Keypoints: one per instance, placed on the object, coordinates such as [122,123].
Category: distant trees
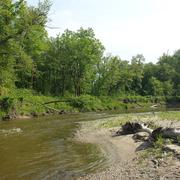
[22,39]
[113,77]
[137,70]
[71,62]
[74,61]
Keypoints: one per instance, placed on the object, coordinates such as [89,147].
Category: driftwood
[134,127]
[172,133]
[56,101]
[44,105]
[53,109]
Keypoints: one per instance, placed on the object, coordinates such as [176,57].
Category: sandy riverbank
[125,156]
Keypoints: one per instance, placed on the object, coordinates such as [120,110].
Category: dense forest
[74,62]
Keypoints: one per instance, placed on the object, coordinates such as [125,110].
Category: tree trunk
[172,133]
[132,128]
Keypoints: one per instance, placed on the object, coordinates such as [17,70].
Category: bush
[172,99]
[85,103]
[6,104]
[159,143]
[112,103]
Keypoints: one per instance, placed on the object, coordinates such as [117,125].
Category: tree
[155,87]
[82,52]
[22,29]
[53,67]
[108,76]
[150,70]
[71,62]
[137,65]
[113,77]
[168,88]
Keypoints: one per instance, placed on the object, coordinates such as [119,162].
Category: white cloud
[150,27]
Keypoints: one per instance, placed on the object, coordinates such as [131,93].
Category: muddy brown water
[44,148]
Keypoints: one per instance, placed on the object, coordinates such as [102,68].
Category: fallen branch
[56,110]
[134,127]
[172,133]
[44,105]
[56,101]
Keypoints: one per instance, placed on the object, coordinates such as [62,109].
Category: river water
[44,148]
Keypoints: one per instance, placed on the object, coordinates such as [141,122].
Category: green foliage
[171,99]
[137,72]
[111,123]
[22,39]
[112,104]
[86,103]
[70,63]
[74,63]
[159,143]
[178,140]
[169,116]
[112,78]
[6,104]
[156,87]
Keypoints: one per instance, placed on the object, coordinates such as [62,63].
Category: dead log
[141,136]
[56,101]
[139,104]
[47,107]
[131,128]
[134,127]
[172,133]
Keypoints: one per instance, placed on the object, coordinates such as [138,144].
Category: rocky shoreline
[125,157]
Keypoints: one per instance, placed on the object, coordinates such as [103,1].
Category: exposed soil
[125,156]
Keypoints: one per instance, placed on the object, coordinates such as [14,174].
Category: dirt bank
[125,156]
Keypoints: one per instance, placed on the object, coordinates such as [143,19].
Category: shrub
[6,104]
[159,143]
[85,103]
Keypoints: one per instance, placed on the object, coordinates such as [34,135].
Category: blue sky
[125,27]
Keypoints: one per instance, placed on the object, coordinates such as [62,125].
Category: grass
[156,153]
[28,101]
[157,148]
[144,117]
[32,102]
[119,121]
[114,122]
[169,115]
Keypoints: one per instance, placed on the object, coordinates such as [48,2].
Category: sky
[125,27]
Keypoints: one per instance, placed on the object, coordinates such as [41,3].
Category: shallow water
[45,149]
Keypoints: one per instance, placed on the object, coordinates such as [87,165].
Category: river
[44,148]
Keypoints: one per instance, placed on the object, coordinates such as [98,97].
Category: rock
[6,117]
[44,114]
[155,161]
[18,130]
[48,111]
[11,131]
[173,148]
[34,114]
[141,136]
[62,112]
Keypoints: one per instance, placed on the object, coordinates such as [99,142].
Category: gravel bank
[125,157]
